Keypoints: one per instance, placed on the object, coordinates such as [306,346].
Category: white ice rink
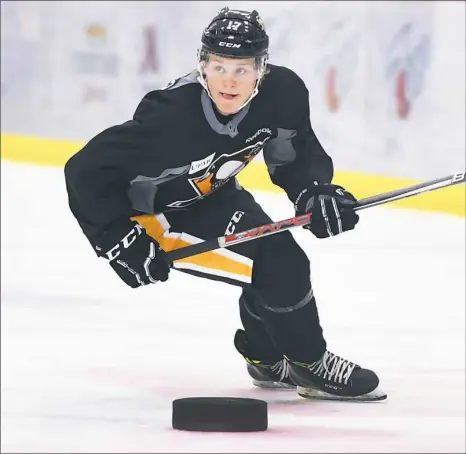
[89,365]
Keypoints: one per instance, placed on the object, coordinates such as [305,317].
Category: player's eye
[219,69]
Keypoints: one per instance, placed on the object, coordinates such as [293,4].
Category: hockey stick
[280,226]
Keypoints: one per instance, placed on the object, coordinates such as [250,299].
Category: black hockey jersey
[178,149]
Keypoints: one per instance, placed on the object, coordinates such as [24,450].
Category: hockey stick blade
[286,224]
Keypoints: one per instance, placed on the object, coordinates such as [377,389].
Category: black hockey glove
[132,253]
[331,209]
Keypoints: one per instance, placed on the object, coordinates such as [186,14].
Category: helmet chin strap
[202,80]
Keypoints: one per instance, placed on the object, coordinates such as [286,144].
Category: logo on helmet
[233,45]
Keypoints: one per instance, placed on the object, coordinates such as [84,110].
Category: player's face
[231,81]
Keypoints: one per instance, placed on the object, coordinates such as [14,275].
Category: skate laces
[332,367]
[281,368]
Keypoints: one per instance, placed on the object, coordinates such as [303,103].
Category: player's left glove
[331,208]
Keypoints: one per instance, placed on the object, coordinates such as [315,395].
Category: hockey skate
[271,376]
[334,378]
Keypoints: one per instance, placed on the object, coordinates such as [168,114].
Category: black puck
[219,414]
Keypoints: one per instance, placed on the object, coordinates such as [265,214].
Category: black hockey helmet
[234,33]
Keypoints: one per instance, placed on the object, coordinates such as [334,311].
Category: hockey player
[166,179]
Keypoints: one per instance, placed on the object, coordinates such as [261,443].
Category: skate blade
[273,385]
[315,394]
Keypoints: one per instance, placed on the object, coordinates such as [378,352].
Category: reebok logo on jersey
[260,131]
[201,164]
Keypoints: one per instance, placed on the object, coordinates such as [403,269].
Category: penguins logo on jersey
[209,174]
[225,167]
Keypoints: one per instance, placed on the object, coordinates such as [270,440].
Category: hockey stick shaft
[286,224]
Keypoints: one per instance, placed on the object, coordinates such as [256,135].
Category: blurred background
[386,79]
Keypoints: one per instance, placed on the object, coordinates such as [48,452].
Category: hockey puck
[219,414]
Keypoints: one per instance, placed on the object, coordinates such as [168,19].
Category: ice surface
[89,365]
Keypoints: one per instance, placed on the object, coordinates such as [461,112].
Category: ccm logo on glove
[126,242]
[135,256]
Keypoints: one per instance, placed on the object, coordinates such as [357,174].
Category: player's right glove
[331,208]
[132,253]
